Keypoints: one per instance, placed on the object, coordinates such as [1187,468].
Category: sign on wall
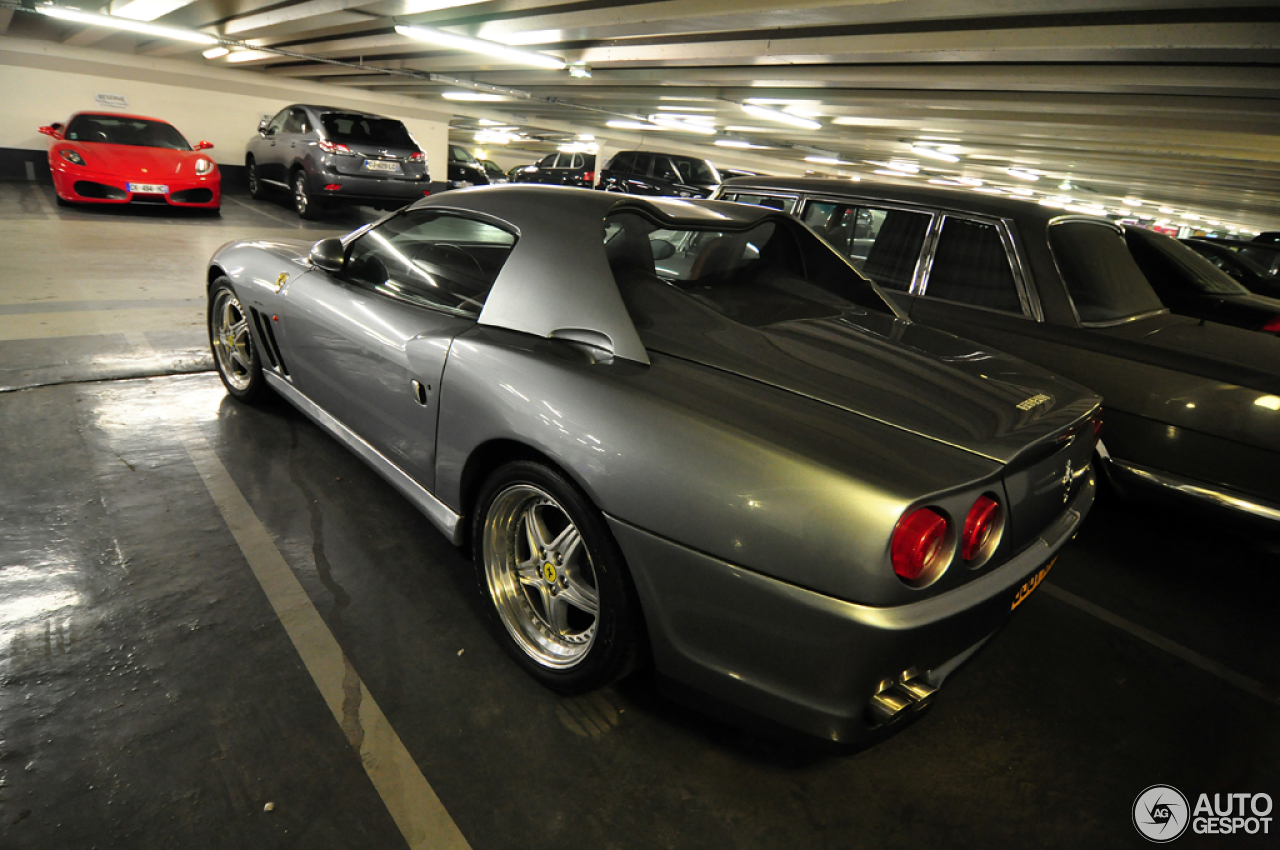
[113,101]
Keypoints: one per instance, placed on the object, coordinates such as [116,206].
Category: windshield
[1167,262]
[1102,279]
[460,154]
[773,272]
[351,128]
[689,170]
[119,130]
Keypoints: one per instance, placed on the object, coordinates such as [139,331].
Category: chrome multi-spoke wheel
[232,343]
[306,205]
[548,563]
[540,576]
[256,189]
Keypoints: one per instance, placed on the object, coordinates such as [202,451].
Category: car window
[296,122]
[578,161]
[1103,281]
[278,122]
[970,266]
[772,272]
[1172,267]
[460,154]
[353,128]
[883,244]
[784,204]
[693,170]
[664,169]
[623,162]
[548,161]
[119,130]
[434,259]
[642,165]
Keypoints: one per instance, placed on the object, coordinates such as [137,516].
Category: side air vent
[268,336]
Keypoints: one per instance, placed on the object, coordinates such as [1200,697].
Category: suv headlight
[204,166]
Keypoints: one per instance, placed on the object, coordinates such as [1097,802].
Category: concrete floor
[152,696]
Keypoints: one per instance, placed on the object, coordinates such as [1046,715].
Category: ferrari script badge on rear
[1027,404]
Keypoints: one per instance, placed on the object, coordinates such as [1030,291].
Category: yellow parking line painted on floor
[409,798]
[413,804]
[1159,641]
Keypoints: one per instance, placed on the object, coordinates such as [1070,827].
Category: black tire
[308,207]
[257,189]
[230,339]
[539,600]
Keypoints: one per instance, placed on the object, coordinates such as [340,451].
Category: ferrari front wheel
[231,341]
[555,579]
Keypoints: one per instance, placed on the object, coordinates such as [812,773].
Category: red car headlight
[204,166]
[71,156]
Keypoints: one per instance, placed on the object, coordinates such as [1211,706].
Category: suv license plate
[381,165]
[148,189]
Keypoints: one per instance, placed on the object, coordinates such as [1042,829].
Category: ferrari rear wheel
[555,578]
[308,207]
[232,343]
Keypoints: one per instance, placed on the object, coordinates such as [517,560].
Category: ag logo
[1160,813]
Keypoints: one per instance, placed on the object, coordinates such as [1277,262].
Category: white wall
[44,82]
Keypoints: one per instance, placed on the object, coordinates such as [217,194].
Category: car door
[369,344]
[268,155]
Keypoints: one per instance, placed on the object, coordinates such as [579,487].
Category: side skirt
[441,515]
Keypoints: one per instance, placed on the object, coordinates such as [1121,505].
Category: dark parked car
[753,474]
[560,169]
[653,173]
[1263,254]
[1241,269]
[1192,407]
[328,157]
[1190,285]
[464,169]
[491,170]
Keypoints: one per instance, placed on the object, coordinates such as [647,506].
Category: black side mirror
[328,255]
[662,249]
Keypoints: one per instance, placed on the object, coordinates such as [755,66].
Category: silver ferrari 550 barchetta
[679,433]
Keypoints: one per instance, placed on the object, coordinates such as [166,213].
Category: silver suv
[326,157]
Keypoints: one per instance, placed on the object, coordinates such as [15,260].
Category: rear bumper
[85,186]
[806,660]
[369,190]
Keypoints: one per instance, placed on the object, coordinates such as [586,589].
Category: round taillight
[982,529]
[921,546]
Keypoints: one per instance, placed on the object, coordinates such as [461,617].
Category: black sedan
[1248,273]
[1193,407]
[1190,285]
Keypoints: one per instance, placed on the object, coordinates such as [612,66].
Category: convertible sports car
[1192,406]
[751,472]
[109,158]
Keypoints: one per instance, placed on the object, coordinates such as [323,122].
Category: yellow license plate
[1031,584]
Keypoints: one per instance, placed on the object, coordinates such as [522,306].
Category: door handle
[421,392]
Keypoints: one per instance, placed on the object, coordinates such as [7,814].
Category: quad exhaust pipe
[897,698]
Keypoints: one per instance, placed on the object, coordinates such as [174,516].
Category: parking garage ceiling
[1172,103]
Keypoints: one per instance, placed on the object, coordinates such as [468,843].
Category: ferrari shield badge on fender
[281,280]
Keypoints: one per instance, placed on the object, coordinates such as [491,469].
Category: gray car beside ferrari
[750,471]
[1193,407]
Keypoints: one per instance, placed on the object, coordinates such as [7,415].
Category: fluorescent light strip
[148,10]
[918,150]
[781,117]
[472,96]
[112,21]
[676,124]
[736,143]
[827,160]
[486,48]
[890,173]
[216,52]
[1021,174]
[633,125]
